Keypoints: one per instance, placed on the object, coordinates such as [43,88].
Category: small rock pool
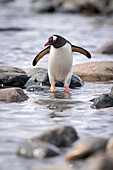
[18,47]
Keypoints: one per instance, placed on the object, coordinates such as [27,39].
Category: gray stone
[86,147]
[37,149]
[62,136]
[106,48]
[103,101]
[40,77]
[12,95]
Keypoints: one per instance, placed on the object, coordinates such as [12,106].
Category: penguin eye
[54,38]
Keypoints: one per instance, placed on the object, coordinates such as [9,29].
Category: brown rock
[10,69]
[109,147]
[12,95]
[84,148]
[100,161]
[95,71]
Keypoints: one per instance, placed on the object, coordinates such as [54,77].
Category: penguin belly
[60,62]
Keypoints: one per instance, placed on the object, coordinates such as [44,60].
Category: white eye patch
[54,38]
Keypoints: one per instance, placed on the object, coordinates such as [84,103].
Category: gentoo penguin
[60,60]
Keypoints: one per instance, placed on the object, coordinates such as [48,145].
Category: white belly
[60,62]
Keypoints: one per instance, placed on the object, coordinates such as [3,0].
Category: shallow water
[20,121]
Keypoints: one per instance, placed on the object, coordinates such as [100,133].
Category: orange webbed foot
[53,89]
[66,89]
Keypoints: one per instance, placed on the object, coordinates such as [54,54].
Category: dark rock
[12,76]
[12,95]
[106,48]
[40,77]
[38,88]
[103,101]
[62,136]
[11,29]
[84,148]
[13,79]
[95,71]
[37,149]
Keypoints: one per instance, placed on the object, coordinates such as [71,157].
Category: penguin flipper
[40,55]
[81,50]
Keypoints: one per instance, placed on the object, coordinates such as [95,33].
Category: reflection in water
[60,95]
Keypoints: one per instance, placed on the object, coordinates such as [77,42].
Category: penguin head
[57,41]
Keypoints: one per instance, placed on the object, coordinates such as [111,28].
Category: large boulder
[40,77]
[103,101]
[95,71]
[12,95]
[12,76]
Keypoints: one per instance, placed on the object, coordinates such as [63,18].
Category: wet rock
[11,29]
[106,48]
[38,88]
[84,148]
[95,71]
[37,149]
[40,76]
[12,95]
[59,101]
[62,136]
[103,101]
[100,161]
[12,76]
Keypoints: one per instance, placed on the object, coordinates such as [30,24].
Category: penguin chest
[60,62]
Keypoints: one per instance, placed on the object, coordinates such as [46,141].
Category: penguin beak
[48,43]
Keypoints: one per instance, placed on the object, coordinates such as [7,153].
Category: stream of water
[22,35]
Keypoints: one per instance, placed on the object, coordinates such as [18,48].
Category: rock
[34,88]
[84,6]
[62,136]
[40,76]
[84,148]
[106,48]
[11,69]
[103,101]
[12,76]
[100,161]
[37,149]
[12,95]
[109,147]
[95,71]
[52,167]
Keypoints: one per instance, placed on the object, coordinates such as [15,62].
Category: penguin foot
[66,89]
[53,89]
